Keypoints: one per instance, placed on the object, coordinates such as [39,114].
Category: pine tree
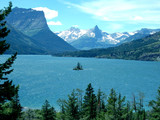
[16,107]
[62,109]
[48,112]
[138,110]
[30,114]
[72,112]
[100,105]
[120,107]
[78,67]
[80,100]
[90,103]
[7,89]
[111,105]
[128,115]
[155,104]
[141,111]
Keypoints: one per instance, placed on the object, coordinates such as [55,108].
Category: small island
[78,67]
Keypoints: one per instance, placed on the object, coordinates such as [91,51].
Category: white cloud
[49,14]
[121,10]
[76,26]
[54,23]
[116,26]
[137,18]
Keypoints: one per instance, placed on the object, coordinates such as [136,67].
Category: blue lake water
[44,77]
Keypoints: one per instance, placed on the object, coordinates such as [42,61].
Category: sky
[110,15]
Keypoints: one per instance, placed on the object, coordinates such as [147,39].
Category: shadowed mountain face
[33,24]
[97,31]
[22,44]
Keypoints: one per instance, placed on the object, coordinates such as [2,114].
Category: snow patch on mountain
[72,34]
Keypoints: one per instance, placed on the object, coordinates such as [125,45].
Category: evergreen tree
[120,107]
[80,100]
[141,111]
[7,89]
[78,67]
[128,112]
[62,111]
[111,105]
[138,110]
[89,104]
[116,107]
[48,112]
[100,105]
[16,107]
[155,104]
[72,107]
[29,115]
[134,103]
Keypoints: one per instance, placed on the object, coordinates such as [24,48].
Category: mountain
[141,34]
[22,44]
[33,24]
[91,39]
[147,48]
[71,34]
[96,38]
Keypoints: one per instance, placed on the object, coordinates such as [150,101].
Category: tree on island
[8,91]
[78,67]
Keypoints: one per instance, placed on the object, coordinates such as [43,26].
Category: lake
[44,77]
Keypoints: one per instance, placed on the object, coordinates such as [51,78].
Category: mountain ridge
[104,39]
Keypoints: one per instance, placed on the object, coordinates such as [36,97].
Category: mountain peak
[96,27]
[97,31]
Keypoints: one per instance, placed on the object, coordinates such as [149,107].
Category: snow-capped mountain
[72,34]
[96,38]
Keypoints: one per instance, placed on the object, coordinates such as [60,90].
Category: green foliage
[61,115]
[80,100]
[89,104]
[48,112]
[71,107]
[3,29]
[101,109]
[30,114]
[155,104]
[16,107]
[117,109]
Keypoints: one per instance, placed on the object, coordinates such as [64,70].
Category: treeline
[98,106]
